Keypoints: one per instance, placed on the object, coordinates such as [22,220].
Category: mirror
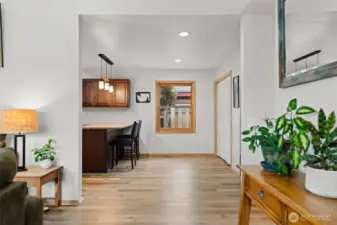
[307,42]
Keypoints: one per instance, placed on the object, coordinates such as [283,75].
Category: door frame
[216,97]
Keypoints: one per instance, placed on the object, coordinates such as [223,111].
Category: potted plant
[282,140]
[45,155]
[321,165]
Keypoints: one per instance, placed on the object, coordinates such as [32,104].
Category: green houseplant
[283,139]
[321,164]
[45,155]
[167,96]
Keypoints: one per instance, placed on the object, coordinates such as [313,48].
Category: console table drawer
[265,198]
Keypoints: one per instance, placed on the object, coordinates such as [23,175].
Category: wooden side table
[36,177]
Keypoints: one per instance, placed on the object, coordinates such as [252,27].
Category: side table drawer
[265,198]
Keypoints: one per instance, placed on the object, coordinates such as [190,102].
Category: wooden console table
[36,177]
[284,199]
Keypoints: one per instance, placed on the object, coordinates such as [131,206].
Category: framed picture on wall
[236,92]
[143,97]
[1,42]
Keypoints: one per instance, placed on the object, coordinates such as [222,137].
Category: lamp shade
[106,86]
[101,85]
[19,121]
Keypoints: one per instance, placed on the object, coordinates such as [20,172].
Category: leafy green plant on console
[282,140]
[324,142]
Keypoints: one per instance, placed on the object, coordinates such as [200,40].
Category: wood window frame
[190,130]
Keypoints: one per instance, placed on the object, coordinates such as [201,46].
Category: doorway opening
[223,117]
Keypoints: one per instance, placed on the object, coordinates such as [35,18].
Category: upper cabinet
[93,97]
[121,93]
[89,93]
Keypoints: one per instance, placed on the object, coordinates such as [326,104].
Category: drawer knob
[261,194]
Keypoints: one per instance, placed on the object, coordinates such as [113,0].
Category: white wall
[41,72]
[259,74]
[144,79]
[318,94]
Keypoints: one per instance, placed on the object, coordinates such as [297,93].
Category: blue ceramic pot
[267,166]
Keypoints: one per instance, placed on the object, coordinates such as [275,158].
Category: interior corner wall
[258,74]
[232,63]
[41,72]
[145,80]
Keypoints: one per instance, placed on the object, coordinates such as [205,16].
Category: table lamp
[19,122]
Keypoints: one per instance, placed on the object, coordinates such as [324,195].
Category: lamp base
[22,154]
[21,169]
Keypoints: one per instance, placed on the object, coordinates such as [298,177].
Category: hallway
[160,191]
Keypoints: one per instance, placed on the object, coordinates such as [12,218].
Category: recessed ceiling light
[184,34]
[178,61]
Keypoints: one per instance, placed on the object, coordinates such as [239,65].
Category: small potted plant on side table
[321,166]
[45,155]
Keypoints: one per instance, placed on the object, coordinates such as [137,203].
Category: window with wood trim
[175,107]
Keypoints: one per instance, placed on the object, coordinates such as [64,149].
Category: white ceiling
[161,7]
[153,41]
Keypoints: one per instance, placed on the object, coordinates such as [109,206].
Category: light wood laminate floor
[160,191]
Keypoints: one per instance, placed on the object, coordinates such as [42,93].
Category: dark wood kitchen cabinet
[121,93]
[103,98]
[93,97]
[89,93]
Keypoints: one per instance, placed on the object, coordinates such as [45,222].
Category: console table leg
[57,189]
[39,189]
[245,205]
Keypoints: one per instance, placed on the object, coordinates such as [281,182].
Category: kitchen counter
[96,149]
[104,126]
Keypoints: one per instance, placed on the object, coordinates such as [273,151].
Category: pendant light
[106,80]
[101,82]
[111,88]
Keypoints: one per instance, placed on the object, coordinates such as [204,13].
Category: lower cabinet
[94,97]
[95,151]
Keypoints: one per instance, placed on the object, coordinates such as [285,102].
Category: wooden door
[89,94]
[121,93]
[103,98]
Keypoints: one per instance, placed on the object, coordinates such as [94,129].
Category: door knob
[261,194]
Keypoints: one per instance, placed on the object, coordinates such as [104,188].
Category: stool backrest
[134,129]
[139,127]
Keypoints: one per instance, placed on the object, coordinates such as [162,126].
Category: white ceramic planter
[45,164]
[321,182]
